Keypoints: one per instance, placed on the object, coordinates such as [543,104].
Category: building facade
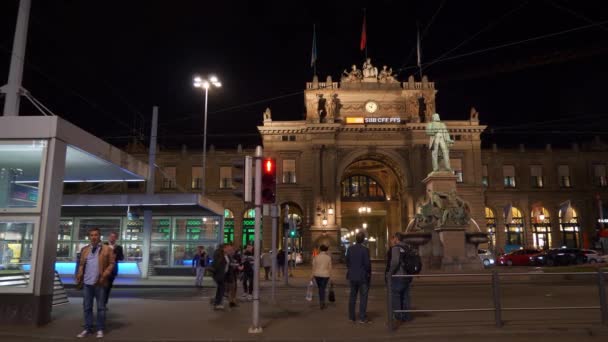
[357,161]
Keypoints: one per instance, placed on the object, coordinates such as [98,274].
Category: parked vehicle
[560,256]
[594,257]
[520,257]
[486,257]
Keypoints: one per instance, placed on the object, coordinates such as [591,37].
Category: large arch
[396,163]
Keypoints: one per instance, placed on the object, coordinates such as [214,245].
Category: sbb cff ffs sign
[269,181]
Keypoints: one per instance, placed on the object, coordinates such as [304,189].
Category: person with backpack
[359,275]
[403,260]
[218,270]
[247,262]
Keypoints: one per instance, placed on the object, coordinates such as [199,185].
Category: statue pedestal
[441,181]
[454,246]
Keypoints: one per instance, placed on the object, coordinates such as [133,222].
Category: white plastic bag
[309,289]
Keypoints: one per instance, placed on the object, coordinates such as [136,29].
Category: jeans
[231,289]
[363,288]
[267,272]
[98,293]
[322,284]
[400,293]
[200,273]
[247,283]
[109,288]
[219,293]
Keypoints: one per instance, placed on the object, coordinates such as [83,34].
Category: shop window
[21,164]
[485,180]
[536,176]
[159,254]
[169,174]
[161,229]
[509,176]
[491,225]
[456,165]
[569,227]
[514,227]
[205,228]
[362,188]
[16,247]
[600,175]
[289,171]
[292,138]
[284,138]
[197,177]
[563,172]
[105,226]
[226,177]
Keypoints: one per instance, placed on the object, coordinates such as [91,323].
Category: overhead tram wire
[487,27]
[576,14]
[549,35]
[244,105]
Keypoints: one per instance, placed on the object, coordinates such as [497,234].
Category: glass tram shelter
[41,230]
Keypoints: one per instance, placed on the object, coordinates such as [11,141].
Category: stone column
[556,236]
[501,236]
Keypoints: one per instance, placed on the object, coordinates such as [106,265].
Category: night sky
[102,65]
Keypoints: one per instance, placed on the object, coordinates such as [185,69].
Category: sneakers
[249,297]
[244,296]
[364,321]
[84,333]
[99,334]
[218,307]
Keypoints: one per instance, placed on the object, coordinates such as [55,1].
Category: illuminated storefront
[541,228]
[569,227]
[514,230]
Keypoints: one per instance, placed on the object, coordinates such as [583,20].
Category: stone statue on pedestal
[369,70]
[386,75]
[439,139]
[353,76]
[267,115]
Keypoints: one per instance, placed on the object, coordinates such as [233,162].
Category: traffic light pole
[274,214]
[255,327]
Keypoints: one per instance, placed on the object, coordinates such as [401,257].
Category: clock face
[371,106]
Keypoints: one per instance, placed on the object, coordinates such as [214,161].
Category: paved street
[184,314]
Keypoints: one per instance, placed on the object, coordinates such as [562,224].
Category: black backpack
[410,260]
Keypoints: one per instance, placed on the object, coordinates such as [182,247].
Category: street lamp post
[205,84]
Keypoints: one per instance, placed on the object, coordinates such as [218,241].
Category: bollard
[496,294]
[602,290]
[389,309]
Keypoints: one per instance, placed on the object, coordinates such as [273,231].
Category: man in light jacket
[359,275]
[321,272]
[94,271]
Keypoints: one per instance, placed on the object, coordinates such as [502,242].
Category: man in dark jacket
[247,262]
[219,268]
[359,275]
[118,256]
[400,286]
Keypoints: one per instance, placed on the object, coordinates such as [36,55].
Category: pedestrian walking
[94,270]
[400,286]
[218,270]
[199,262]
[359,273]
[118,256]
[247,263]
[266,259]
[321,272]
[232,276]
[281,262]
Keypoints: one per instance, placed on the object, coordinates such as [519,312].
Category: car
[594,257]
[560,256]
[521,257]
[486,257]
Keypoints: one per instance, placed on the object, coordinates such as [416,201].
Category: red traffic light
[269,181]
[269,167]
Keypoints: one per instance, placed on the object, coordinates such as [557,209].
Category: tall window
[514,227]
[362,188]
[197,177]
[485,180]
[169,174]
[563,172]
[457,168]
[508,172]
[541,228]
[228,226]
[225,177]
[491,224]
[600,175]
[289,171]
[569,227]
[536,176]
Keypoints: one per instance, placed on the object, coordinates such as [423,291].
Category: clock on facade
[371,106]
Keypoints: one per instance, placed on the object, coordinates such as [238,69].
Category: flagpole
[314,37]
[365,23]
[418,53]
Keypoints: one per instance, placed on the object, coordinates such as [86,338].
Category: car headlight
[540,257]
[491,261]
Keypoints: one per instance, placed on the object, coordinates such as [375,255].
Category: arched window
[491,224]
[514,230]
[569,227]
[228,226]
[541,228]
[362,188]
[249,214]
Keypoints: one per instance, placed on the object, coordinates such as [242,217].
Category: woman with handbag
[321,272]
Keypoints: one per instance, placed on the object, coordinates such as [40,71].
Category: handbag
[309,289]
[332,293]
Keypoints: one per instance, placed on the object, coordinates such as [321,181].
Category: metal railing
[497,308]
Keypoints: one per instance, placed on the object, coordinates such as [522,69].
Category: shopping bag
[309,289]
[332,293]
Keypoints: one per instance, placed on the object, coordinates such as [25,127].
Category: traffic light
[242,176]
[292,233]
[269,181]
